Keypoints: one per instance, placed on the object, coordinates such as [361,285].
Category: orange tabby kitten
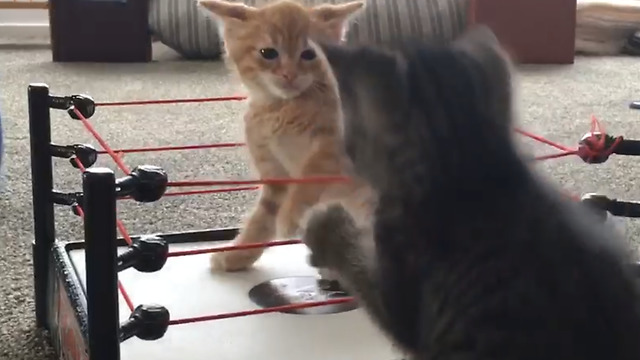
[293,120]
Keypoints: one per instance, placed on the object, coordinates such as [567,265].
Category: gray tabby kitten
[475,256]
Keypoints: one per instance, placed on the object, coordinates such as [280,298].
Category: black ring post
[99,187]
[42,186]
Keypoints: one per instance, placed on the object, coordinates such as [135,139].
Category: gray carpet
[555,101]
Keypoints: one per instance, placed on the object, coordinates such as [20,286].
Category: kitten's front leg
[333,239]
[261,224]
[324,160]
[338,244]
[260,227]
[300,198]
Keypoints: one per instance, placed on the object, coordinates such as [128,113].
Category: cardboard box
[100,30]
[533,31]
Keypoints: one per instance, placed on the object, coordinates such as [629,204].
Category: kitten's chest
[287,135]
[288,129]
[291,150]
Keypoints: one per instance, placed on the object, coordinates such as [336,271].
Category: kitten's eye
[269,53]
[308,54]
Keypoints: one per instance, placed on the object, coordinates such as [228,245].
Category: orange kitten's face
[275,55]
[288,72]
[273,47]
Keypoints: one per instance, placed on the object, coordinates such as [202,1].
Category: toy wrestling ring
[80,304]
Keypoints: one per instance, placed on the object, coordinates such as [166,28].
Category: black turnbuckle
[146,183]
[86,154]
[73,199]
[68,199]
[146,322]
[83,103]
[146,254]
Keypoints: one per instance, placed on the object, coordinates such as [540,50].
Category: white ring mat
[187,288]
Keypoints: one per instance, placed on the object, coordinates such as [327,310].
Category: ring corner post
[42,186]
[99,188]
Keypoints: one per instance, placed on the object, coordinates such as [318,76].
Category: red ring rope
[119,224]
[543,140]
[555,156]
[271,243]
[598,149]
[172,101]
[200,192]
[174,148]
[125,235]
[100,140]
[303,305]
[273,181]
[123,291]
[123,232]
[567,151]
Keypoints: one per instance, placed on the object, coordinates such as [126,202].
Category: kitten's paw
[236,260]
[325,235]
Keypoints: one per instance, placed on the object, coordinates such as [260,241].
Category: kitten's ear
[328,12]
[228,9]
[333,18]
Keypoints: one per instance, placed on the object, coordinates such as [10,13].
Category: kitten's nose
[289,76]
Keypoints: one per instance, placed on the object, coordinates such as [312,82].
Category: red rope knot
[596,146]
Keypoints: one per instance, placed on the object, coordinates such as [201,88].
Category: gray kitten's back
[477,257]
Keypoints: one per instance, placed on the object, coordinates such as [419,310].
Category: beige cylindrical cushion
[192,33]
